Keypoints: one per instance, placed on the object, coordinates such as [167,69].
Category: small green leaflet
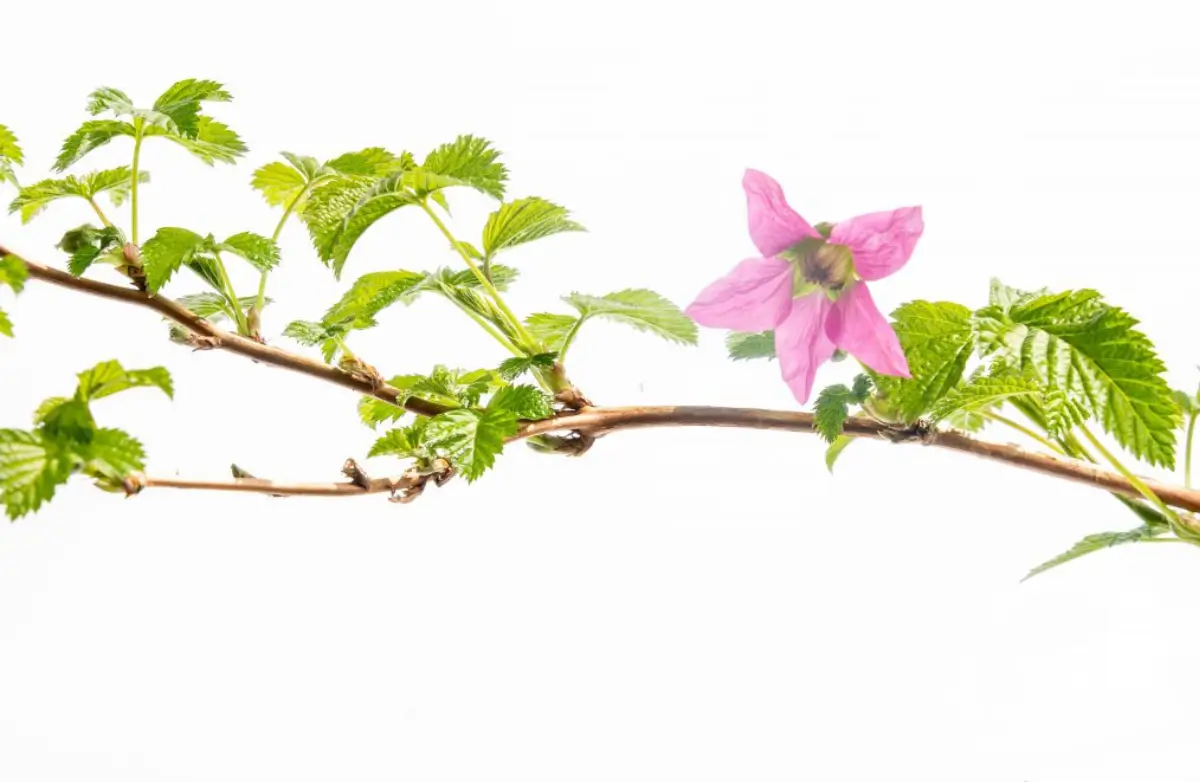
[744,346]
[833,406]
[374,292]
[522,221]
[643,309]
[1100,542]
[165,252]
[525,402]
[327,336]
[31,469]
[470,161]
[261,252]
[91,135]
[10,149]
[213,142]
[938,340]
[13,272]
[88,244]
[110,99]
[112,454]
[328,206]
[280,184]
[453,387]
[374,412]
[402,442]
[552,329]
[471,439]
[66,418]
[371,162]
[181,104]
[32,199]
[982,393]
[513,368]
[288,184]
[109,377]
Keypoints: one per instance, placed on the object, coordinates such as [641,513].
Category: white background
[699,605]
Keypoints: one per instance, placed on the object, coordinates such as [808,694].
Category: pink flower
[810,286]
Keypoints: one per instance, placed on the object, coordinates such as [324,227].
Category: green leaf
[205,267]
[205,305]
[6,325]
[166,251]
[397,442]
[87,243]
[513,368]
[328,206]
[835,450]
[522,221]
[91,135]
[1100,542]
[261,252]
[66,419]
[938,340]
[10,149]
[113,454]
[833,406]
[32,199]
[982,393]
[109,99]
[383,198]
[181,103]
[643,309]
[13,272]
[279,183]
[469,161]
[372,293]
[1091,361]
[31,468]
[212,142]
[370,162]
[744,346]
[525,402]
[374,412]
[471,439]
[325,335]
[551,329]
[453,387]
[109,377]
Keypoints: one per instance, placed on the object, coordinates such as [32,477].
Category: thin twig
[219,338]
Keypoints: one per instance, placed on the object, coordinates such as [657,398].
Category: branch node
[133,484]
[356,474]
[572,399]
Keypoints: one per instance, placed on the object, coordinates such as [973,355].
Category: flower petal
[774,226]
[755,296]
[858,327]
[881,242]
[801,343]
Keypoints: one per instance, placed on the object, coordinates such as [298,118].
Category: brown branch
[590,422]
[600,421]
[219,338]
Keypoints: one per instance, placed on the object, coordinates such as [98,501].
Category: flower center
[819,264]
